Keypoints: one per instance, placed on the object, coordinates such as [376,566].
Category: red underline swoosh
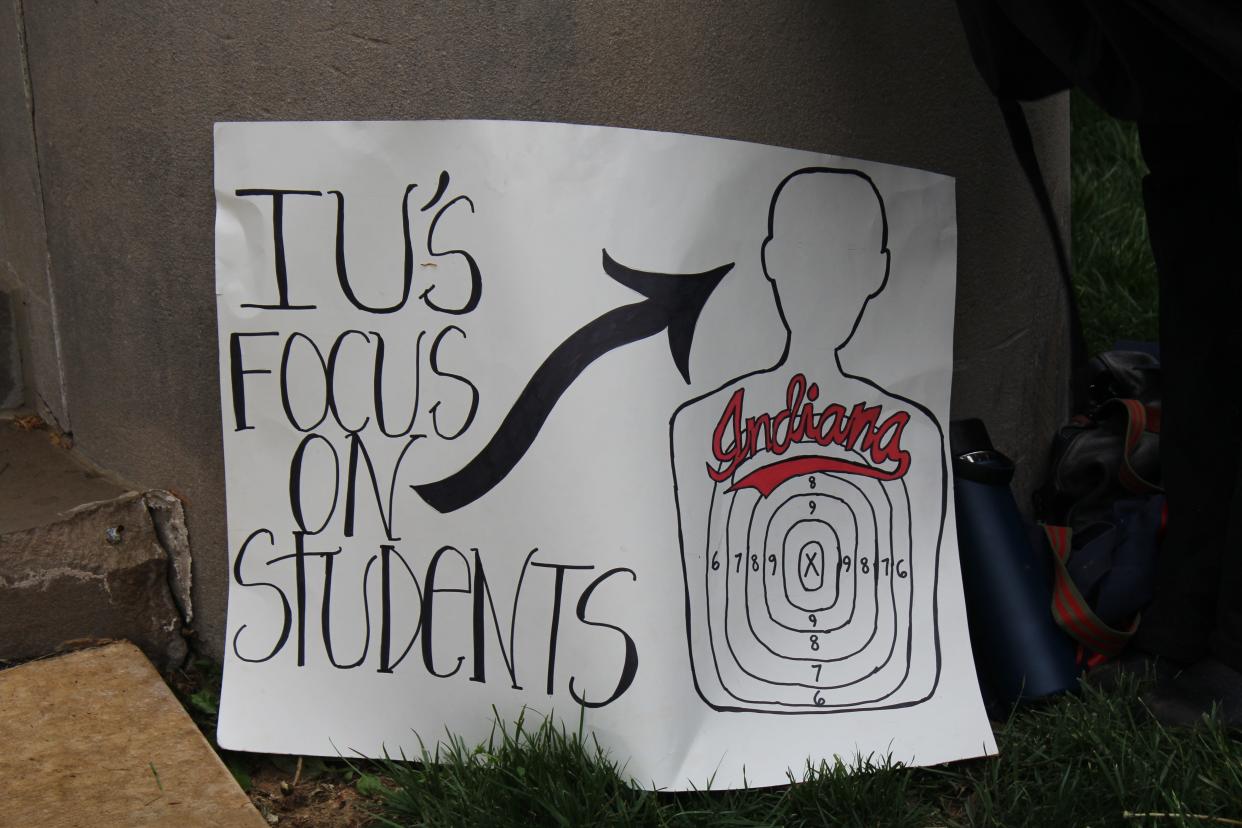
[766,479]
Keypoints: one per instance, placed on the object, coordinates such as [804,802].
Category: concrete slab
[95,738]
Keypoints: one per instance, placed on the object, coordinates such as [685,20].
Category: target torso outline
[874,642]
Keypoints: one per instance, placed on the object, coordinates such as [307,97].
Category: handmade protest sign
[638,428]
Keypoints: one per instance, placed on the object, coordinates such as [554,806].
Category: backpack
[1102,509]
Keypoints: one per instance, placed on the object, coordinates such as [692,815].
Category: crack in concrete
[168,518]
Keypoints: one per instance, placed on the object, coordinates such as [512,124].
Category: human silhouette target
[810,576]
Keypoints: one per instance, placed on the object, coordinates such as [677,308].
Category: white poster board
[642,427]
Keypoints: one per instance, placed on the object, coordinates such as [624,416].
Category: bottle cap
[974,456]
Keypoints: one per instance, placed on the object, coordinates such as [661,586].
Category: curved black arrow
[673,301]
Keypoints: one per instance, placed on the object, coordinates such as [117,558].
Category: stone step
[95,738]
[82,558]
[39,480]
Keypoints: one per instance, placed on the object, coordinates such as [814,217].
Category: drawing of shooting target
[811,577]
[810,592]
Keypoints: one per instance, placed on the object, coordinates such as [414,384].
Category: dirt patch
[318,803]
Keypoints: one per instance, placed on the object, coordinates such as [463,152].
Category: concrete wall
[107,203]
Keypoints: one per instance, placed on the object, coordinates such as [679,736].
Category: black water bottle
[1019,649]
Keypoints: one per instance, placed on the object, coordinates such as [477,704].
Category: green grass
[1091,759]
[1114,274]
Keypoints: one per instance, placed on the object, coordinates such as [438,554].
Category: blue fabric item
[1114,564]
